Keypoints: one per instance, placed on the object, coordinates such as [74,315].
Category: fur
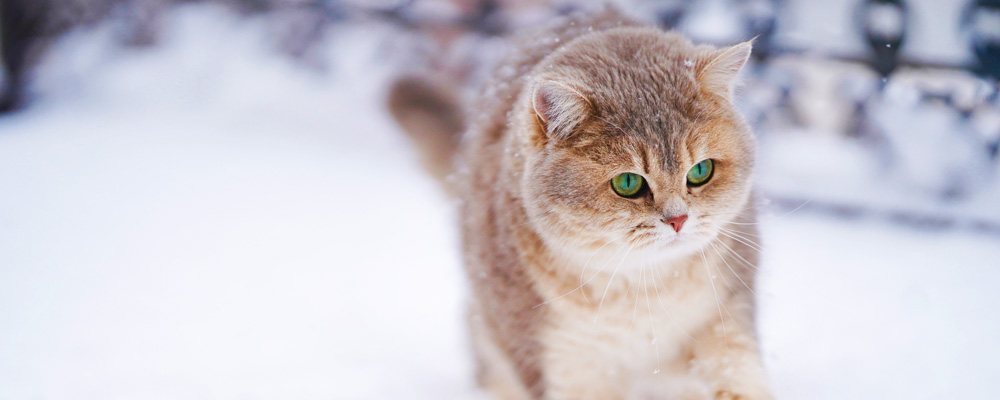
[579,293]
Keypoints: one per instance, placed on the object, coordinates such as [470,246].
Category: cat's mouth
[653,235]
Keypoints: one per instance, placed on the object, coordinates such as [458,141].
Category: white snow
[857,310]
[204,220]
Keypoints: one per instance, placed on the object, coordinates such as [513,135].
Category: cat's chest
[635,330]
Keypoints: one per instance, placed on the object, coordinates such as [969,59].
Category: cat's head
[632,145]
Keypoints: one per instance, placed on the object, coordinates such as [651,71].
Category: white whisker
[778,217]
[610,280]
[730,266]
[738,256]
[718,302]
[757,249]
[652,325]
[796,208]
[743,235]
[582,284]
[663,307]
[730,230]
[636,306]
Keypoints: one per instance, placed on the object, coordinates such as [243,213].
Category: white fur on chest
[637,337]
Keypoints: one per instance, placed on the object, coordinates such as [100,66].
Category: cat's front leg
[727,357]
[575,376]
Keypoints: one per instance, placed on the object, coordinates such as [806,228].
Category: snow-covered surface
[859,310]
[206,220]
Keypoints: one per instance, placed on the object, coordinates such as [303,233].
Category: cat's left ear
[560,108]
[719,69]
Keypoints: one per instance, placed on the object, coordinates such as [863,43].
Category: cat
[607,217]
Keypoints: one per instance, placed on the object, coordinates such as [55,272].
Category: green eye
[627,184]
[700,173]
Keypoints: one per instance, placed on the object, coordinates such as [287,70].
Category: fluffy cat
[608,259]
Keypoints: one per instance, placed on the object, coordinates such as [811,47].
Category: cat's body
[582,294]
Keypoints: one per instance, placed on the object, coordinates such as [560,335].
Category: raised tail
[429,113]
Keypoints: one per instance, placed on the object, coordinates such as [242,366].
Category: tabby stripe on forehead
[645,161]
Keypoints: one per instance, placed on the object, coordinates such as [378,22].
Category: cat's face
[642,160]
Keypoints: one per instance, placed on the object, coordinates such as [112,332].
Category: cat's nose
[676,222]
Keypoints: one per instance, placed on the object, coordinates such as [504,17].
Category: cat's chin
[623,257]
[673,249]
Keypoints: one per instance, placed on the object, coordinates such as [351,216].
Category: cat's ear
[719,69]
[559,107]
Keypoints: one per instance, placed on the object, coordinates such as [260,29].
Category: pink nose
[676,222]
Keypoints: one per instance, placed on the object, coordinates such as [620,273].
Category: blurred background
[208,199]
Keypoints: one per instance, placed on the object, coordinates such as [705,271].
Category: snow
[858,310]
[204,220]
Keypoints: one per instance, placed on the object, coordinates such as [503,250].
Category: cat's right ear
[718,69]
[559,107]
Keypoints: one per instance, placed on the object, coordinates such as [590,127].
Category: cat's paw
[727,395]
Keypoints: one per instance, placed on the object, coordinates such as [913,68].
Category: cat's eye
[628,185]
[700,173]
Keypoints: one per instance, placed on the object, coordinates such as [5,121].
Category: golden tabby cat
[606,215]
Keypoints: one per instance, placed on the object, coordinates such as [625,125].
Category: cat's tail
[429,113]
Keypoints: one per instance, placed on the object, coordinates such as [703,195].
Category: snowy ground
[205,220]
